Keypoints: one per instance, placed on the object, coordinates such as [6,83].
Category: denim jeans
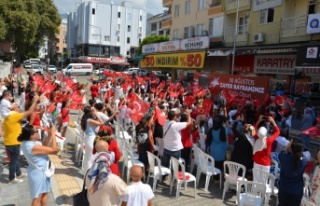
[14,166]
[167,154]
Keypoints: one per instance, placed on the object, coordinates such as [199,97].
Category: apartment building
[159,24]
[105,34]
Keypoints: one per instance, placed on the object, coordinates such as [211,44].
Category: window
[312,6]
[118,38]
[200,28]
[266,16]
[128,53]
[161,33]
[140,17]
[153,26]
[140,30]
[201,5]
[187,7]
[216,27]
[139,41]
[128,40]
[243,25]
[93,11]
[129,28]
[188,32]
[107,38]
[175,33]
[176,10]
[119,14]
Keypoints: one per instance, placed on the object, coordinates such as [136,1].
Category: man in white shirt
[5,104]
[172,137]
[138,193]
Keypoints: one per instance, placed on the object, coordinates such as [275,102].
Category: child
[138,193]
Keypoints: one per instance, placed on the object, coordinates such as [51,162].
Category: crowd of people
[181,114]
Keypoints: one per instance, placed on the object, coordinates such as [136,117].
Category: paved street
[68,180]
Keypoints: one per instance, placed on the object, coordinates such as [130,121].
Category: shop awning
[139,57]
[219,52]
[310,69]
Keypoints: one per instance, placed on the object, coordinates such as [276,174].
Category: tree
[151,40]
[27,22]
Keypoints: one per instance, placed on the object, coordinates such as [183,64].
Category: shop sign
[313,25]
[169,46]
[302,88]
[275,64]
[242,86]
[244,64]
[177,60]
[312,52]
[116,59]
[218,63]
[201,42]
[265,4]
[150,48]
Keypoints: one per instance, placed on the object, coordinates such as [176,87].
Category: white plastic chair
[202,144]
[156,169]
[160,146]
[180,177]
[307,185]
[268,180]
[252,195]
[207,166]
[129,161]
[196,157]
[231,175]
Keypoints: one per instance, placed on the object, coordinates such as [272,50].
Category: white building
[159,24]
[115,29]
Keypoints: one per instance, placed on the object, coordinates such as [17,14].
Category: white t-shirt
[172,139]
[231,114]
[138,194]
[103,116]
[5,108]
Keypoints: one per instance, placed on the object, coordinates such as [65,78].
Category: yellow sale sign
[175,60]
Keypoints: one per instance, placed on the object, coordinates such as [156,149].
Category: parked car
[99,71]
[131,71]
[36,68]
[27,64]
[52,68]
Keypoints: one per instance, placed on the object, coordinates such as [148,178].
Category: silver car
[52,68]
[36,68]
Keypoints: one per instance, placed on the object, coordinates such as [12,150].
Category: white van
[78,68]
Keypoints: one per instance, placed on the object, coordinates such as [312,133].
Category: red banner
[239,86]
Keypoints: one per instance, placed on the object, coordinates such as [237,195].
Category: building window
[312,7]
[129,28]
[128,40]
[216,27]
[118,38]
[187,7]
[176,10]
[153,26]
[200,29]
[266,16]
[107,38]
[175,34]
[201,5]
[139,41]
[119,14]
[140,17]
[128,53]
[188,32]
[93,11]
[243,25]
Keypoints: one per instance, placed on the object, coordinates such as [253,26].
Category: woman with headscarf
[293,164]
[104,188]
[263,145]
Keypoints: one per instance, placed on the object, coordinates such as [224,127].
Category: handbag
[50,167]
[81,198]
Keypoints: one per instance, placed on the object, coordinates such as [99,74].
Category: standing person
[65,118]
[307,122]
[12,129]
[172,137]
[293,164]
[94,90]
[38,160]
[263,145]
[186,140]
[90,120]
[138,193]
[104,188]
[315,183]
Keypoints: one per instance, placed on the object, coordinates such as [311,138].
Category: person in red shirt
[94,90]
[263,144]
[186,139]
[64,117]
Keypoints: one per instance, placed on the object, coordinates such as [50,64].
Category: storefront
[112,63]
[218,61]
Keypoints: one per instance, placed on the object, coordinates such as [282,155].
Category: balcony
[166,23]
[242,36]
[293,26]
[215,9]
[167,3]
[231,6]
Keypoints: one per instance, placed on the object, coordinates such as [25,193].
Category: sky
[152,6]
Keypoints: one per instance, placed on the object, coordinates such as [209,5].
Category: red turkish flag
[189,100]
[207,105]
[138,106]
[160,116]
[109,93]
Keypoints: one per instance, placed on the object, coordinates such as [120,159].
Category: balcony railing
[231,5]
[229,35]
[216,9]
[167,3]
[294,26]
[166,23]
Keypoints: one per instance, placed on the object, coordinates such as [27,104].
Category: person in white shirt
[5,104]
[172,137]
[138,193]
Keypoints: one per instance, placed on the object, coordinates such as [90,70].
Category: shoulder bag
[167,129]
[50,167]
[81,198]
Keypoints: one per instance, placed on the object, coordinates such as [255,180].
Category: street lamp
[99,48]
[235,38]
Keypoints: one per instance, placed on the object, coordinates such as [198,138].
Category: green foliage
[25,23]
[151,40]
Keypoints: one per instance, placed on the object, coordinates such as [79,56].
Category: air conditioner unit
[258,37]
